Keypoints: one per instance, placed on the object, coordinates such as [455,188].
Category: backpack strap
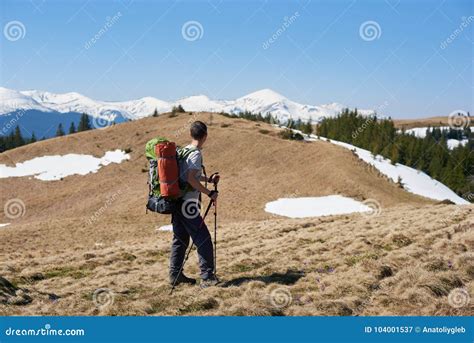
[204,172]
[205,182]
[152,175]
[183,154]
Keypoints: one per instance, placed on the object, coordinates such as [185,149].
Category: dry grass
[397,263]
[403,262]
[422,122]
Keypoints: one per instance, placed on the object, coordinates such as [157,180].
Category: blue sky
[407,69]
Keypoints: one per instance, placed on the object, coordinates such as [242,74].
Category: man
[186,220]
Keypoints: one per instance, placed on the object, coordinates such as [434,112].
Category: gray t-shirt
[193,161]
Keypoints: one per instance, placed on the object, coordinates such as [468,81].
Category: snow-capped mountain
[11,101]
[262,101]
[266,100]
[201,103]
[67,106]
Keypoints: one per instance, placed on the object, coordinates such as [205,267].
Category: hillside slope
[58,256]
[403,262]
[255,167]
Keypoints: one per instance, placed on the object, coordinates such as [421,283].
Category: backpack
[164,184]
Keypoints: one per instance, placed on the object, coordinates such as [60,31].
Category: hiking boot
[181,279]
[210,282]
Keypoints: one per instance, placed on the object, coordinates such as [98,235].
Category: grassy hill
[421,122]
[404,261]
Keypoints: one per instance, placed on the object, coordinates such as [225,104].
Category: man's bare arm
[193,181]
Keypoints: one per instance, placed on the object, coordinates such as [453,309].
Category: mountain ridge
[263,101]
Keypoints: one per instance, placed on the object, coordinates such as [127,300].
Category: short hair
[198,130]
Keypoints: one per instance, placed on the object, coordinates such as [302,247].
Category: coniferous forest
[454,168]
[16,138]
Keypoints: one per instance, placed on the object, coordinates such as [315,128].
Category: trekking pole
[215,234]
[189,250]
[215,226]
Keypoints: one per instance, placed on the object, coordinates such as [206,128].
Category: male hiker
[188,223]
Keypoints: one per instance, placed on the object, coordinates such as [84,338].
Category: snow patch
[420,132]
[454,143]
[4,224]
[165,228]
[315,206]
[413,181]
[55,167]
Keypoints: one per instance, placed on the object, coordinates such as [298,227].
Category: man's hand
[215,179]
[213,195]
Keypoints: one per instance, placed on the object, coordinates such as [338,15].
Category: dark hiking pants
[185,226]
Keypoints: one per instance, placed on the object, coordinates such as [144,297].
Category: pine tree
[84,123]
[60,131]
[33,137]
[3,145]
[268,118]
[178,109]
[72,128]
[395,155]
[307,128]
[298,124]
[155,113]
[10,141]
[290,124]
[436,166]
[18,138]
